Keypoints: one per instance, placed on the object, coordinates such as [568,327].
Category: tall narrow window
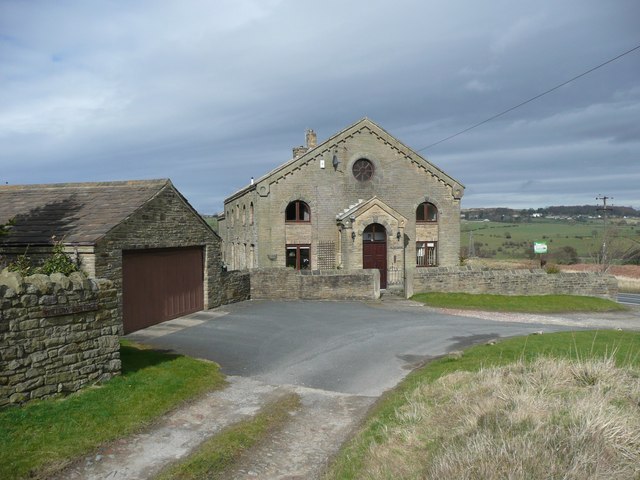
[297,211]
[244,215]
[426,212]
[251,213]
[298,257]
[427,254]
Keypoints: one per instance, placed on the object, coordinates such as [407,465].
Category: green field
[213,222]
[515,240]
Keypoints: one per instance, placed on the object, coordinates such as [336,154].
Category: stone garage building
[163,258]
[361,199]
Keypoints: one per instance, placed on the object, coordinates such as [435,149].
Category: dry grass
[628,285]
[551,418]
[502,264]
[628,276]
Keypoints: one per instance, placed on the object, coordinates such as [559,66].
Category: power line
[531,99]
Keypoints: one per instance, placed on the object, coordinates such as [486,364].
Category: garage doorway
[161,284]
[374,250]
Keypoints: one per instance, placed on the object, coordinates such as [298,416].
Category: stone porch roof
[362,205]
[78,213]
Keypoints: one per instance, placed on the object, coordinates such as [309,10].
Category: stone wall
[514,282]
[289,284]
[57,334]
[235,286]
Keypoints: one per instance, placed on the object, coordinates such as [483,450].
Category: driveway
[361,348]
[338,357]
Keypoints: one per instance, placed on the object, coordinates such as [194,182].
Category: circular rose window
[363,170]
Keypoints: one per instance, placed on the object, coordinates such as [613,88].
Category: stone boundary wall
[289,284]
[57,334]
[235,286]
[514,282]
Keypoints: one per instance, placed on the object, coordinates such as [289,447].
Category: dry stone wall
[57,334]
[514,282]
[290,284]
[235,286]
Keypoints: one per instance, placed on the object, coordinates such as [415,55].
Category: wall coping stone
[41,283]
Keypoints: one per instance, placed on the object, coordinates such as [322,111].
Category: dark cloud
[212,93]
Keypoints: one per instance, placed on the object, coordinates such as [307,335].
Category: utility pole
[472,247]
[604,209]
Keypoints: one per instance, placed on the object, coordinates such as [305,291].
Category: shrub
[57,262]
[552,269]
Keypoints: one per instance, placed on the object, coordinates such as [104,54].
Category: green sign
[539,247]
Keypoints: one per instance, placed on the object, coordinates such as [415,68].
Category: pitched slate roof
[78,213]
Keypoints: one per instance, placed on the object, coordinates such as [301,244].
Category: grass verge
[622,348]
[42,437]
[216,455]
[519,303]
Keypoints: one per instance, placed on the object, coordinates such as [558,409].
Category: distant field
[514,240]
[213,222]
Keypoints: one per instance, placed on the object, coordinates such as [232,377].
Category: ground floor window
[299,256]
[426,254]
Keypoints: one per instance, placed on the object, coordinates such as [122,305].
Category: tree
[567,255]
[633,257]
[612,247]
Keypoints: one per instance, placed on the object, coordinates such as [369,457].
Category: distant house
[142,235]
[361,199]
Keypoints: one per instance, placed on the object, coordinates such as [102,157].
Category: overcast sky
[210,93]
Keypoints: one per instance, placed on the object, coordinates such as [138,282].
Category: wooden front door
[374,250]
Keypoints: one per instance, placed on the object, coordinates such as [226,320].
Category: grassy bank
[445,419]
[519,303]
[43,436]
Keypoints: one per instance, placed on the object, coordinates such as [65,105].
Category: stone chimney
[312,142]
[299,151]
[312,139]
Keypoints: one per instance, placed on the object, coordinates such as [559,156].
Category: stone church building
[361,199]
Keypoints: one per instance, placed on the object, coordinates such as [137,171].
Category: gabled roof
[77,213]
[363,124]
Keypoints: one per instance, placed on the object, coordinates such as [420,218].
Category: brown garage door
[161,284]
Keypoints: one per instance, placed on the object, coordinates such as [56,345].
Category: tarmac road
[361,348]
[629,298]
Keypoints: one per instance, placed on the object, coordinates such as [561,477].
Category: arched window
[251,213]
[426,212]
[297,211]
[244,215]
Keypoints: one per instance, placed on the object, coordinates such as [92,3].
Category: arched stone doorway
[374,250]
